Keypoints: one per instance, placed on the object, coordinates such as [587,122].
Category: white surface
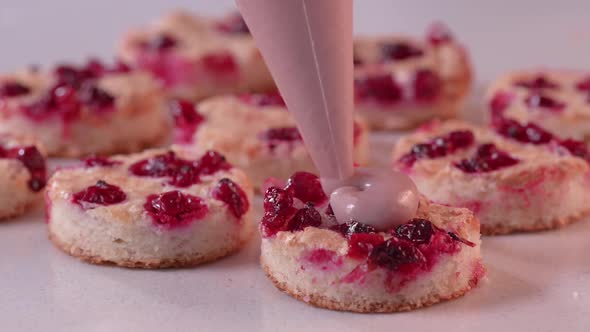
[536,282]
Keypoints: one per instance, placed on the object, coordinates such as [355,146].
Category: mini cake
[556,100]
[351,266]
[156,209]
[401,82]
[196,57]
[23,174]
[255,132]
[520,178]
[82,110]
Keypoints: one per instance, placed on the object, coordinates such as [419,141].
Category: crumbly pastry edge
[321,301]
[539,226]
[135,147]
[184,262]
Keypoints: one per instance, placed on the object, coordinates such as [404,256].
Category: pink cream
[307,44]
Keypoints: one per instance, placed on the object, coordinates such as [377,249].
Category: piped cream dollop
[307,45]
[378,197]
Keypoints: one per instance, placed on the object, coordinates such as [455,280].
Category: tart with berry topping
[350,266]
[156,209]
[401,82]
[515,178]
[196,57]
[556,100]
[23,175]
[255,132]
[82,110]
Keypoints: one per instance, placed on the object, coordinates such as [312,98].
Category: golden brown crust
[321,301]
[537,227]
[181,262]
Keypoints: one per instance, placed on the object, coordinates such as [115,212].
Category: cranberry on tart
[401,82]
[255,132]
[156,209]
[515,178]
[350,266]
[23,174]
[556,100]
[83,110]
[196,57]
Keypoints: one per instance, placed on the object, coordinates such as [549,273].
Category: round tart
[518,178]
[351,266]
[401,81]
[23,174]
[82,110]
[196,57]
[156,209]
[255,132]
[556,100]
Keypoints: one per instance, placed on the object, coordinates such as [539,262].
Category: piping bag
[307,45]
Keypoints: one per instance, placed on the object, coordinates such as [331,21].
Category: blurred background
[500,34]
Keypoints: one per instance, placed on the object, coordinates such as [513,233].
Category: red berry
[525,133]
[380,88]
[220,63]
[308,216]
[98,161]
[399,51]
[232,194]
[307,188]
[182,173]
[538,100]
[277,200]
[395,254]
[499,102]
[101,193]
[186,119]
[95,97]
[583,85]
[212,162]
[174,208]
[417,231]
[487,159]
[439,147]
[160,43]
[272,223]
[278,207]
[352,227]
[13,89]
[427,85]
[361,244]
[277,136]
[33,161]
[539,82]
[576,148]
